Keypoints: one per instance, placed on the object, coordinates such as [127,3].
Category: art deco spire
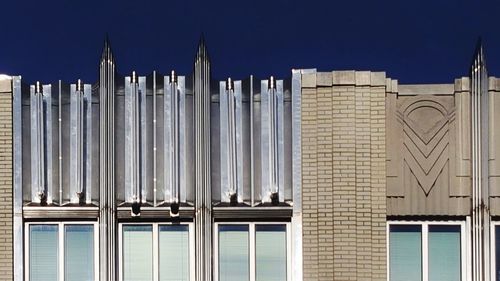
[479,101]
[478,60]
[202,53]
[202,159]
[107,206]
[107,53]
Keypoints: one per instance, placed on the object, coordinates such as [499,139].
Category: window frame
[61,245]
[251,246]
[493,257]
[156,241]
[464,245]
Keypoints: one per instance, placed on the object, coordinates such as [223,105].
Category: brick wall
[343,175]
[6,255]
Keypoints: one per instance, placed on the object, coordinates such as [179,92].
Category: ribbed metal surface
[231,131]
[107,217]
[272,139]
[480,171]
[18,178]
[81,143]
[93,150]
[203,220]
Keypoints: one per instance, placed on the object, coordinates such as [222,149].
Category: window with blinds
[174,252]
[137,252]
[252,251]
[496,251]
[405,255]
[78,252]
[61,251]
[156,252]
[234,253]
[427,251]
[43,252]
[270,252]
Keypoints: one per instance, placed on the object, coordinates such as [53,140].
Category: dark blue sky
[423,41]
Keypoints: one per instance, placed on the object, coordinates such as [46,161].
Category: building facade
[342,175]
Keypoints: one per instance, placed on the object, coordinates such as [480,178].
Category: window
[252,251]
[495,252]
[426,251]
[156,252]
[61,251]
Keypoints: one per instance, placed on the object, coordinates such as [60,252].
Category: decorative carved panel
[426,174]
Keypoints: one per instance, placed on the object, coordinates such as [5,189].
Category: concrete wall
[428,149]
[344,175]
[494,149]
[6,256]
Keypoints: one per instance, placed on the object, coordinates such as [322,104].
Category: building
[343,175]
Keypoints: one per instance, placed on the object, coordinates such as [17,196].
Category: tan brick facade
[343,175]
[6,256]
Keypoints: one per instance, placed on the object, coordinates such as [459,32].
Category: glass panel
[270,252]
[79,252]
[497,252]
[405,252]
[43,253]
[233,253]
[444,253]
[174,252]
[137,252]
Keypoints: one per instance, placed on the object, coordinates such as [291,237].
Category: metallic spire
[107,207]
[202,53]
[478,60]
[479,97]
[107,53]
[202,167]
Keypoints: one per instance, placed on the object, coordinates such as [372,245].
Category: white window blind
[270,252]
[444,252]
[79,252]
[137,252]
[174,253]
[497,253]
[43,252]
[234,253]
[405,252]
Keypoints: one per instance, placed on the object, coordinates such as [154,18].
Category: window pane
[43,252]
[405,252]
[497,252]
[137,252]
[174,252]
[444,253]
[79,252]
[233,253]
[270,252]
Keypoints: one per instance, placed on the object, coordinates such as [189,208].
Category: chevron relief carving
[425,141]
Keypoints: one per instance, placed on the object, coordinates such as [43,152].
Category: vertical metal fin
[203,220]
[480,165]
[175,141]
[81,143]
[272,139]
[17,178]
[107,218]
[231,131]
[135,139]
[41,143]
